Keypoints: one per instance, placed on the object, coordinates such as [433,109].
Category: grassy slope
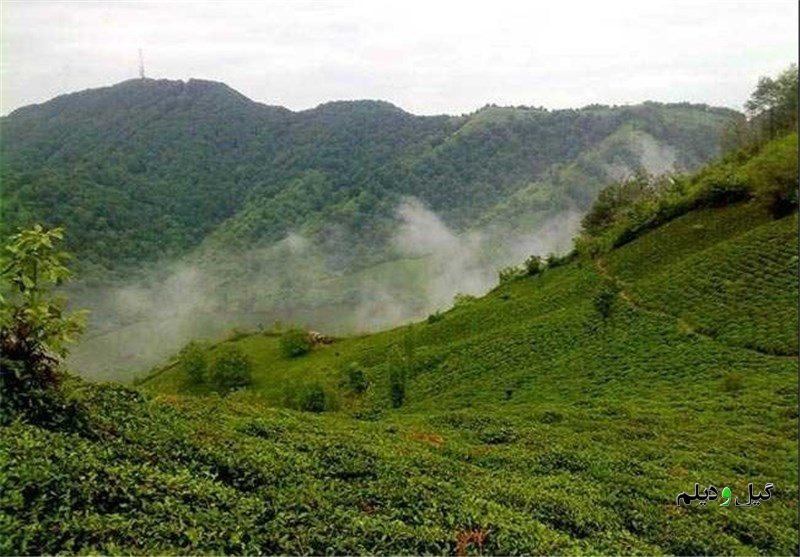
[531,425]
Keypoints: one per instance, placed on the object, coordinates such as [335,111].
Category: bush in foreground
[34,326]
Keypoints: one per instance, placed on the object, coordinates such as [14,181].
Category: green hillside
[561,413]
[531,422]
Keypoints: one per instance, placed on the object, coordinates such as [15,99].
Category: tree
[194,361]
[399,360]
[355,378]
[613,201]
[773,104]
[35,329]
[397,386]
[231,368]
[533,265]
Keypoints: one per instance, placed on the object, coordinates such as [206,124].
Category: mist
[141,324]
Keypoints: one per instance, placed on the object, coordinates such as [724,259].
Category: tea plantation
[527,423]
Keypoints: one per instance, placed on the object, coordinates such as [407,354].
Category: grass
[530,425]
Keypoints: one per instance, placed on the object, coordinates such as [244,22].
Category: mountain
[191,209]
[150,169]
[562,413]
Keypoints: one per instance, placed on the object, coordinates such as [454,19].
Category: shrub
[733,382]
[554,261]
[230,368]
[613,201]
[236,334]
[509,274]
[721,185]
[355,378]
[194,361]
[498,436]
[533,265]
[397,386]
[312,398]
[434,317]
[604,300]
[773,175]
[34,326]
[294,343]
[460,300]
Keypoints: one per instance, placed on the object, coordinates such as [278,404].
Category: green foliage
[772,175]
[312,398]
[236,334]
[35,329]
[434,318]
[294,343]
[463,466]
[721,185]
[230,368]
[773,104]
[739,283]
[533,265]
[355,378]
[397,387]
[604,300]
[732,382]
[398,375]
[614,201]
[461,300]
[310,395]
[194,361]
[554,260]
[509,274]
[517,406]
[31,266]
[209,167]
[765,167]
[626,210]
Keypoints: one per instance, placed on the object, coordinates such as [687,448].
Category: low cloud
[138,325]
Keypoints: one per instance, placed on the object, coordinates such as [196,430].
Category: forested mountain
[148,169]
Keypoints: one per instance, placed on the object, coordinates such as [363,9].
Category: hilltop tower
[141,64]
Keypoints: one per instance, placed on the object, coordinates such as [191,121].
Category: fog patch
[299,281]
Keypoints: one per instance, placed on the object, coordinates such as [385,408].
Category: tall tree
[773,104]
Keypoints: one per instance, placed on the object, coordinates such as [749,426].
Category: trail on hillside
[625,294]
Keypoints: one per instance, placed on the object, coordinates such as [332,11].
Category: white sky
[427,57]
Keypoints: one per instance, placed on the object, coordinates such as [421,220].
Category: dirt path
[625,294]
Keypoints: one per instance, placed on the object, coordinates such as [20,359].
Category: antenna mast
[141,65]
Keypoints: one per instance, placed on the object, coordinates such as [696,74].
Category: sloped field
[531,424]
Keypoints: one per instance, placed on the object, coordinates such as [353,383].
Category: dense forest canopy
[148,169]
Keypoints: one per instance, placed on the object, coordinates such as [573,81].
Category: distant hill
[148,169]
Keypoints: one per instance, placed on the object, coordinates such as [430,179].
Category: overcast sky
[427,57]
